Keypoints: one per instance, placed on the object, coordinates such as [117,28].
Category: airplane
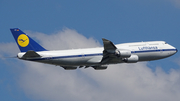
[98,58]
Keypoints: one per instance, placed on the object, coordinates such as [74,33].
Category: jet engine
[131,59]
[122,53]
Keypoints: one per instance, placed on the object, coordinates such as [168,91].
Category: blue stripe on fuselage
[153,50]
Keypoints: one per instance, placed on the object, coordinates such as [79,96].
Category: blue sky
[64,24]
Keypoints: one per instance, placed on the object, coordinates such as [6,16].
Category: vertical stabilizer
[24,42]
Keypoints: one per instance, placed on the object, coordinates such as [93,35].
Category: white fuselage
[146,51]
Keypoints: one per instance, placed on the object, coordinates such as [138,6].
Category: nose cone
[173,50]
[176,51]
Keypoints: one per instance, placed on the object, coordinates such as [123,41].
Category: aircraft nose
[176,50]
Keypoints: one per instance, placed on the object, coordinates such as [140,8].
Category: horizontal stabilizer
[31,54]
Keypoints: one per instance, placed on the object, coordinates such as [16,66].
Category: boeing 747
[98,58]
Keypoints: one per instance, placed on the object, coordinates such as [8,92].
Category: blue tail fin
[24,42]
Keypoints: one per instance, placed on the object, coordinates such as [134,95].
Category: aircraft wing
[108,45]
[109,53]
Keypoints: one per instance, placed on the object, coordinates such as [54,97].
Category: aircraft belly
[148,56]
[77,61]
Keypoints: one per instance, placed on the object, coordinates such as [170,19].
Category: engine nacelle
[123,53]
[132,59]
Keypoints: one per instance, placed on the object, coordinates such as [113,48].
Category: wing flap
[101,67]
[69,67]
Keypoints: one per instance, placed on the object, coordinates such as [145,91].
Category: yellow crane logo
[23,40]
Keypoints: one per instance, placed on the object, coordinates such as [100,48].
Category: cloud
[119,82]
[176,3]
[8,50]
[65,39]
[129,82]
